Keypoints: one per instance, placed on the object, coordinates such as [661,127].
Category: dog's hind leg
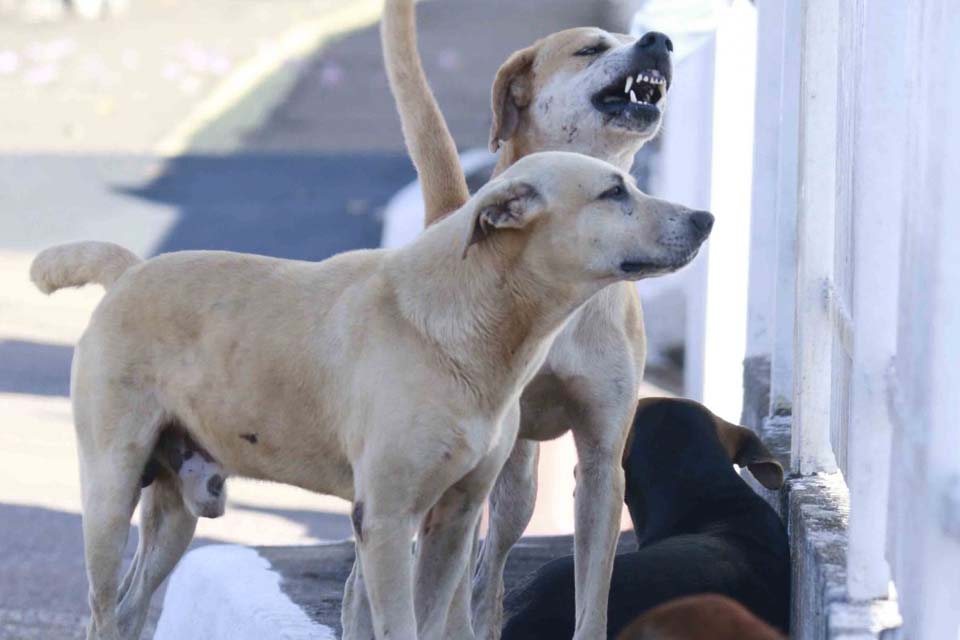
[111,487]
[511,507]
[166,528]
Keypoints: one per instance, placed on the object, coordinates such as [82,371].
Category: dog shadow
[320,525]
[43,580]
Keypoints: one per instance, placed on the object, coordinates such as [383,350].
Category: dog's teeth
[626,89]
[633,97]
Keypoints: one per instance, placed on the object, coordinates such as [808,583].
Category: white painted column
[925,500]
[763,216]
[813,336]
[785,240]
[731,171]
[879,135]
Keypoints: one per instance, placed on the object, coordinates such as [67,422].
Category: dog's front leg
[443,560]
[355,616]
[384,523]
[512,501]
[598,504]
[444,556]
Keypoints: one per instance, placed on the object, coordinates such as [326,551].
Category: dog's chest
[550,405]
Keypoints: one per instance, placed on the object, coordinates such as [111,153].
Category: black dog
[699,528]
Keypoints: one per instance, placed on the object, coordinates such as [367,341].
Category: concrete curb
[231,592]
[815,509]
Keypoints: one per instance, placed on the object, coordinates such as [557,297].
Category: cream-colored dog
[597,93]
[388,378]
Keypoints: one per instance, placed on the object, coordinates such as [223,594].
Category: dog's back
[703,617]
[700,529]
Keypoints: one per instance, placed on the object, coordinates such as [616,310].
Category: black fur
[699,529]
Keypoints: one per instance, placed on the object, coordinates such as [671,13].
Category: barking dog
[312,373]
[699,528]
[597,93]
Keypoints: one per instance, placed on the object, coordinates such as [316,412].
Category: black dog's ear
[747,450]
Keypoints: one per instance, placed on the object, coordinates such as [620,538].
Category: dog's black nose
[215,485]
[702,221]
[655,42]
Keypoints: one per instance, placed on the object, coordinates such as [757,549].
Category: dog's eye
[614,193]
[592,50]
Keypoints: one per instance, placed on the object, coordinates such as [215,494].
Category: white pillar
[925,538]
[785,240]
[727,259]
[763,216]
[878,117]
[813,338]
[761,292]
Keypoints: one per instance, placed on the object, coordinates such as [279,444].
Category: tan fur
[312,373]
[589,383]
[74,265]
[700,617]
[425,131]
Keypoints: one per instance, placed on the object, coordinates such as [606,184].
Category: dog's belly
[262,408]
[288,444]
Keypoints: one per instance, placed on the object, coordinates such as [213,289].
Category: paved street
[283,154]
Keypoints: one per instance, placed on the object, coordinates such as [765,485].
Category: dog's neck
[525,143]
[685,492]
[487,311]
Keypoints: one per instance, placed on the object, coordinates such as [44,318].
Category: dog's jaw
[633,102]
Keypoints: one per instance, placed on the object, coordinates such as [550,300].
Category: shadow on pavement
[321,525]
[44,584]
[300,206]
[35,368]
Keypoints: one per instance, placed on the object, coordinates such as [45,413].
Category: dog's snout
[702,221]
[656,43]
[215,485]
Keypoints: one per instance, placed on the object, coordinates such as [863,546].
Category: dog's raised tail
[428,139]
[80,263]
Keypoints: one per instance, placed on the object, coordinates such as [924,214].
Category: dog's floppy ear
[503,204]
[511,94]
[747,450]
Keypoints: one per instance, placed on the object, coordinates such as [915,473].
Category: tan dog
[597,93]
[312,373]
[703,617]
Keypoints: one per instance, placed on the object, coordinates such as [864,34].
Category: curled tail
[80,263]
[425,131]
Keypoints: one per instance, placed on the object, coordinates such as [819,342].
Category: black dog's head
[680,455]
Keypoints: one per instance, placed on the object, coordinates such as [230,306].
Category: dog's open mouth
[634,99]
